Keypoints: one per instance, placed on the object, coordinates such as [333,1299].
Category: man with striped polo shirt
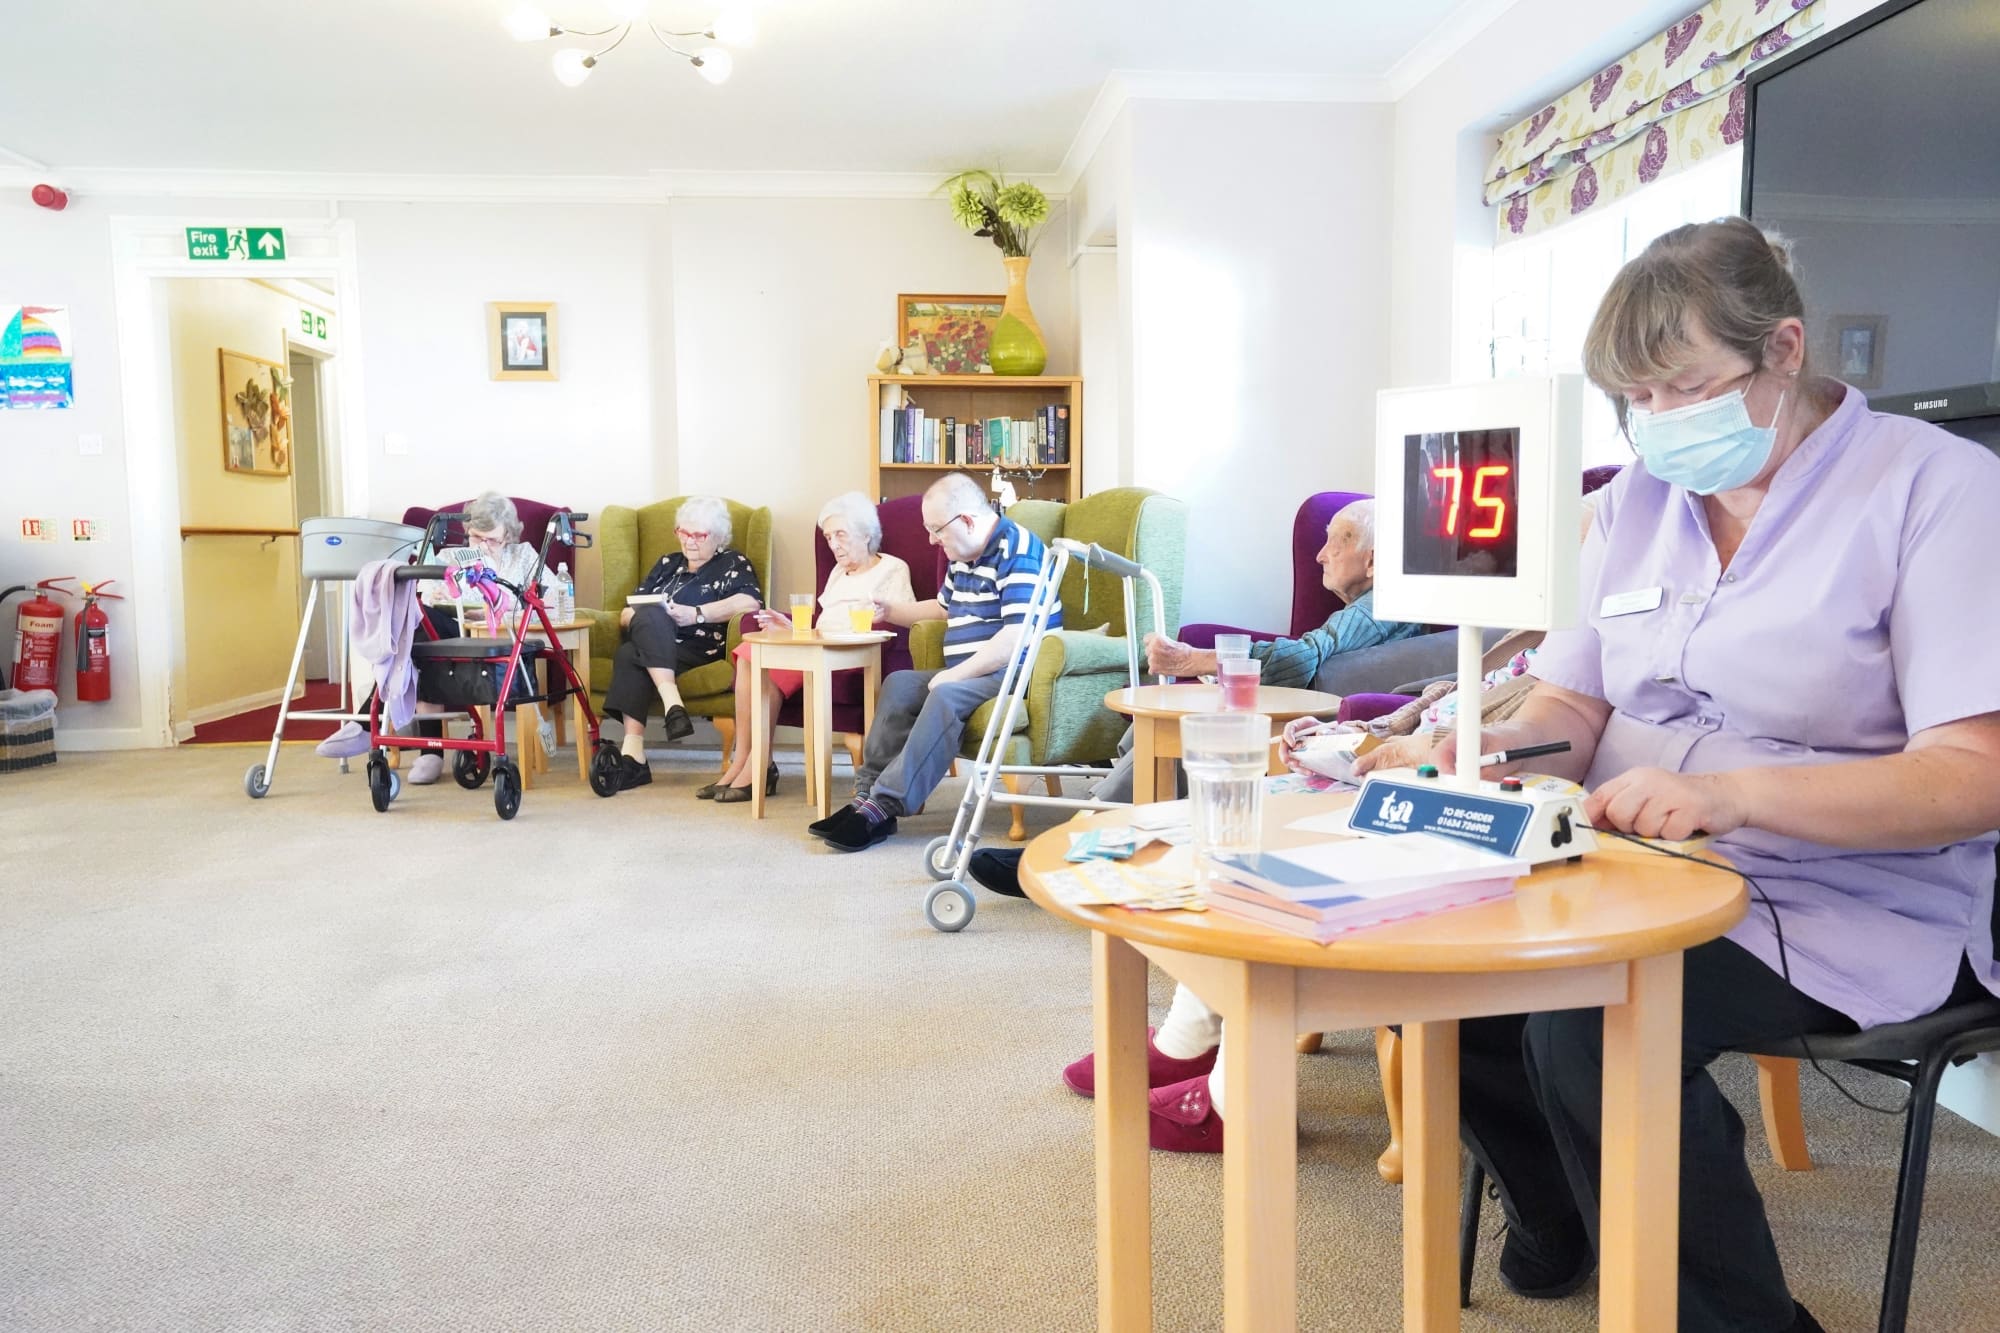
[920,716]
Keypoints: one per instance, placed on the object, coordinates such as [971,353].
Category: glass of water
[1226,756]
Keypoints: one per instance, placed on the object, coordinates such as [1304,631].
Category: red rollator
[492,673]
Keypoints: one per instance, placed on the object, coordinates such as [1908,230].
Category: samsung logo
[1925,404]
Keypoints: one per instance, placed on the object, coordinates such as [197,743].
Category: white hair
[858,514]
[705,513]
[1360,514]
[494,512]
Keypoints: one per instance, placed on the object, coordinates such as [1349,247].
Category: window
[1546,288]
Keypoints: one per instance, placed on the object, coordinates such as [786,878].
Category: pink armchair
[1311,602]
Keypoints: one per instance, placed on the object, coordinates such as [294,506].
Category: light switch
[90,444]
[395,442]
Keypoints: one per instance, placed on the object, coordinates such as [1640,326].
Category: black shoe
[819,828]
[999,871]
[1549,1264]
[1802,1320]
[710,792]
[855,833]
[632,773]
[771,780]
[679,725]
[731,795]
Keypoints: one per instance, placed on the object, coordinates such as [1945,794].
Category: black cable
[1784,961]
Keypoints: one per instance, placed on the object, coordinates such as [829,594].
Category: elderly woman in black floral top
[700,589]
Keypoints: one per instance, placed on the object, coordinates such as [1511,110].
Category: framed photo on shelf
[521,338]
[256,415]
[955,332]
[1856,344]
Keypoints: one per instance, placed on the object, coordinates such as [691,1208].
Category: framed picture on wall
[954,332]
[1855,342]
[256,415]
[521,338]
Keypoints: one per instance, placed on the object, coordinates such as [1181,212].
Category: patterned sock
[870,811]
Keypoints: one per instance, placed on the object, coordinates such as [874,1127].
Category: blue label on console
[1422,807]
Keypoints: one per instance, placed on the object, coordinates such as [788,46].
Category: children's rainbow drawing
[35,357]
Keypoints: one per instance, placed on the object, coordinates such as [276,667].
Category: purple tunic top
[1858,612]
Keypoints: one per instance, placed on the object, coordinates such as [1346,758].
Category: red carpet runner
[257,724]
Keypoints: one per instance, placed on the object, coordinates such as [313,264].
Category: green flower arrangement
[986,205]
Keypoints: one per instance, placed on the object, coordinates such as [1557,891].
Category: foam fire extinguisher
[93,644]
[37,636]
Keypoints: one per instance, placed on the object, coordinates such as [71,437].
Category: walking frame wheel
[938,860]
[256,783]
[949,907]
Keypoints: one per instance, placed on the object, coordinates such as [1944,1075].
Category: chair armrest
[1368,707]
[738,627]
[603,632]
[1074,653]
[1203,635]
[927,645]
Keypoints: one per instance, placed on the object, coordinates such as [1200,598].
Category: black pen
[1523,752]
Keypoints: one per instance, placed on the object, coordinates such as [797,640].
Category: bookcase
[979,398]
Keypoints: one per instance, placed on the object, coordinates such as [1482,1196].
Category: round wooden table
[1608,932]
[1156,712]
[818,658]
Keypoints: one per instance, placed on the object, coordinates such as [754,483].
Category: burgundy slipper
[1081,1075]
[1183,1119]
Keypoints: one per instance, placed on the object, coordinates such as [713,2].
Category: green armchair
[629,543]
[1067,722]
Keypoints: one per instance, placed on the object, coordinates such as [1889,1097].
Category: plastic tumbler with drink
[802,615]
[861,617]
[1225,755]
[1239,677]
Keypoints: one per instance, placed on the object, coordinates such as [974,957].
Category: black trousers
[1531,1110]
[651,641]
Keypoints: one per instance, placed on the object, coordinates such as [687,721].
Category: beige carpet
[640,1064]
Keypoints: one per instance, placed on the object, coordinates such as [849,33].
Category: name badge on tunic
[1626,603]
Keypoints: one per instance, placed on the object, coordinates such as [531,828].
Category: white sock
[633,747]
[1215,1078]
[1191,1027]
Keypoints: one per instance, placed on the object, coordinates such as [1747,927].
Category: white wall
[779,308]
[1258,300]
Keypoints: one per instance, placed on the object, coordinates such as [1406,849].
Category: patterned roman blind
[1668,105]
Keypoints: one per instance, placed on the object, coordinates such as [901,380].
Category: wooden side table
[573,637]
[1608,931]
[1156,712]
[818,658]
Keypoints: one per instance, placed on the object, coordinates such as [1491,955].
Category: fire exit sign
[266,243]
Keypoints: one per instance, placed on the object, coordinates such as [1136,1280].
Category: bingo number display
[1461,503]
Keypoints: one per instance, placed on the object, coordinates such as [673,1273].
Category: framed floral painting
[256,415]
[955,333]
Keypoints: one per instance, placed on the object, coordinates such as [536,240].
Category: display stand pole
[1470,650]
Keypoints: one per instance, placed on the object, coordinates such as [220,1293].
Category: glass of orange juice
[861,617]
[802,615]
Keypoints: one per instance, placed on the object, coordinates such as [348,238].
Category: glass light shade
[528,24]
[735,27]
[572,66]
[627,11]
[715,63]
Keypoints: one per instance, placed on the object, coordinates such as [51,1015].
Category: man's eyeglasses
[938,531]
[686,536]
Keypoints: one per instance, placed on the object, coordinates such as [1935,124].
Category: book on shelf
[948,440]
[1327,889]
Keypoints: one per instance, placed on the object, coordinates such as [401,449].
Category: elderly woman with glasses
[861,576]
[676,620]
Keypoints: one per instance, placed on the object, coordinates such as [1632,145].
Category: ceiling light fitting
[733,27]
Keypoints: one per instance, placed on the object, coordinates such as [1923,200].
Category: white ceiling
[437,86]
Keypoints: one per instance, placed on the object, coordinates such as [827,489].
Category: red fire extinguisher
[93,644]
[38,637]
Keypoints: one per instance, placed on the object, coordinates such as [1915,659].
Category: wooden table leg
[760,730]
[821,757]
[1784,1121]
[808,698]
[579,657]
[1124,1165]
[1430,1177]
[1260,1155]
[1639,1197]
[1145,764]
[1389,1063]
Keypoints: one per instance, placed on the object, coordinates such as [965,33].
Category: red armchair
[903,536]
[1312,603]
[534,523]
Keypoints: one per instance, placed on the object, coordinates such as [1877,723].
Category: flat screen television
[1876,150]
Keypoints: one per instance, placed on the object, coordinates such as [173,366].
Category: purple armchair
[1311,602]
[903,536]
[534,523]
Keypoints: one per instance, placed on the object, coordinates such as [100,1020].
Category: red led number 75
[1480,500]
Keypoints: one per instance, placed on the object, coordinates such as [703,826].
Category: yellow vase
[1018,346]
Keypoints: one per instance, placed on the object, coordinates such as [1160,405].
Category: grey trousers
[916,735]
[1117,784]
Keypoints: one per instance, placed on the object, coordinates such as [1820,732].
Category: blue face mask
[1705,447]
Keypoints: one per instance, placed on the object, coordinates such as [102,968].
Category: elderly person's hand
[767,619]
[681,615]
[1654,803]
[625,616]
[1169,657]
[1295,733]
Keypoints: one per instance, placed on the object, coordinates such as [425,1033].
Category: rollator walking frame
[950,905]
